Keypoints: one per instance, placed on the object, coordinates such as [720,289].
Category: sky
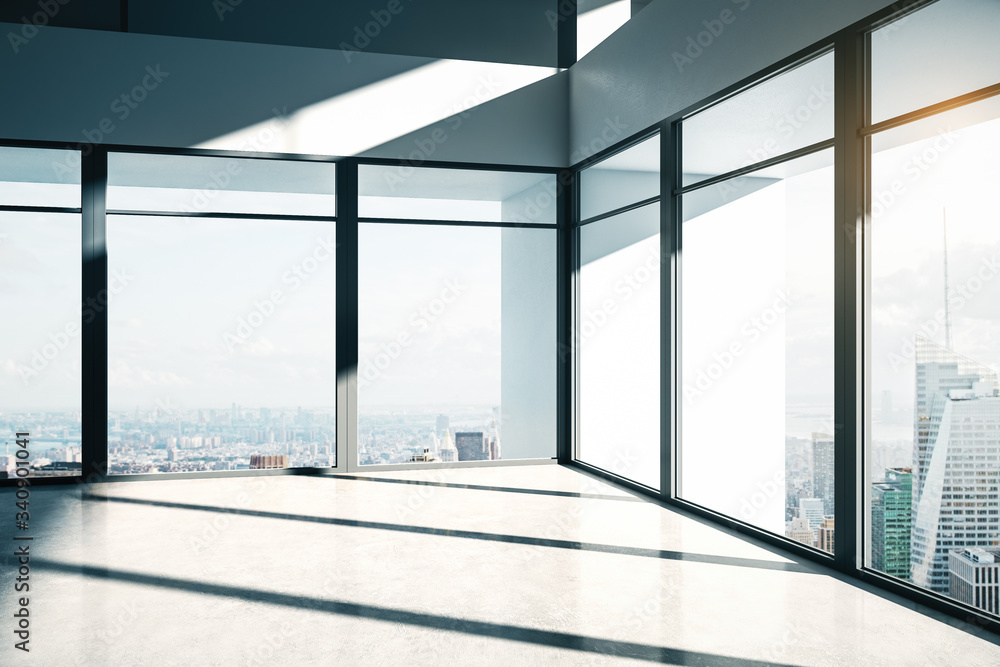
[207,312]
[429,315]
[219,311]
[40,286]
[948,174]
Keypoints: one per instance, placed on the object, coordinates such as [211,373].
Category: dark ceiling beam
[566,11]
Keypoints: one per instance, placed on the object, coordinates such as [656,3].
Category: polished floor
[533,565]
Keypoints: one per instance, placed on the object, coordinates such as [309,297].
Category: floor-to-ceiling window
[616,332]
[932,243]
[755,386]
[456,315]
[221,329]
[40,288]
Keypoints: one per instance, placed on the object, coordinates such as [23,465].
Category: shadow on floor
[480,487]
[477,535]
[624,649]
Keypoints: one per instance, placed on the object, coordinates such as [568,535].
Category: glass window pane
[196,184]
[220,344]
[757,342]
[39,177]
[788,112]
[934,416]
[456,194]
[618,341]
[944,50]
[40,352]
[456,343]
[625,178]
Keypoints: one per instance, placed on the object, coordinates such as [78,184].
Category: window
[221,333]
[755,388]
[788,112]
[628,177]
[617,328]
[459,195]
[40,342]
[456,322]
[931,244]
[199,185]
[946,49]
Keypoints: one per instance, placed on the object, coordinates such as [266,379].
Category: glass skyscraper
[956,489]
[892,522]
[823,470]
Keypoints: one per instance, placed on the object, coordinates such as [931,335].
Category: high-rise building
[471,446]
[798,529]
[811,509]
[823,470]
[891,522]
[493,441]
[441,425]
[956,442]
[798,475]
[448,450]
[974,577]
[825,535]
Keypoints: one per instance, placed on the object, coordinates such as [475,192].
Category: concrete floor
[534,565]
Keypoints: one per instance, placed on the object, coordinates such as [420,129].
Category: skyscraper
[956,443]
[798,529]
[892,522]
[811,509]
[798,475]
[493,441]
[823,470]
[442,424]
[825,535]
[974,577]
[448,450]
[471,446]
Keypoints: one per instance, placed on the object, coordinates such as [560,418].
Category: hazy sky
[414,346]
[175,330]
[958,173]
[40,285]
